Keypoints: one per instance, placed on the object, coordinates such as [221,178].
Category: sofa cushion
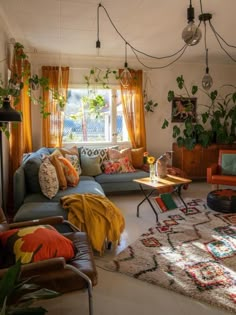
[60,171]
[71,175]
[137,157]
[91,165]
[122,165]
[114,154]
[48,179]
[121,178]
[228,164]
[86,185]
[31,166]
[100,152]
[35,243]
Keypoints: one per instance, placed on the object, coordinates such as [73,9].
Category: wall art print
[183,108]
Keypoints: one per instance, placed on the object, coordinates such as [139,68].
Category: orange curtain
[54,123]
[20,133]
[133,109]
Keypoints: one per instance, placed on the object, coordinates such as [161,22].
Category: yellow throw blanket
[96,215]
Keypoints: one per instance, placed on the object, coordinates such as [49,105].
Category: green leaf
[165,124]
[9,280]
[176,131]
[171,96]
[213,95]
[194,89]
[180,82]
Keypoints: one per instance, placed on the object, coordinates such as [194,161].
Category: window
[94,116]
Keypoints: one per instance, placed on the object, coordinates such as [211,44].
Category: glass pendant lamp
[191,33]
[207,80]
[126,77]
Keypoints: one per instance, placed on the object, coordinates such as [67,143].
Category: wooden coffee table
[169,181]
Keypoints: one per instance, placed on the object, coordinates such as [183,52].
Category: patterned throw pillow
[122,165]
[60,171]
[112,166]
[72,176]
[74,160]
[114,154]
[71,154]
[48,180]
[101,152]
[35,243]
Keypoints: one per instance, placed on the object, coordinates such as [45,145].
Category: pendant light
[191,33]
[207,80]
[126,77]
[7,113]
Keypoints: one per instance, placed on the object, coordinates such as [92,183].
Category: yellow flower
[151,159]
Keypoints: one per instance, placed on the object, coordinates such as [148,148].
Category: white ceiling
[153,26]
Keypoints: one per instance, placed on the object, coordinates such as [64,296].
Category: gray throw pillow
[90,165]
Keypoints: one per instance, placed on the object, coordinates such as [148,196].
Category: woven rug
[193,253]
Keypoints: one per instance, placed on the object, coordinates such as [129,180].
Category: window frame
[113,134]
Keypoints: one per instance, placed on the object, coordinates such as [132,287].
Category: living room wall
[159,83]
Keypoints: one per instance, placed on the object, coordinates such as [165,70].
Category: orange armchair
[223,172]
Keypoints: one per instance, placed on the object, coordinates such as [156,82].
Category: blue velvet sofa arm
[19,187]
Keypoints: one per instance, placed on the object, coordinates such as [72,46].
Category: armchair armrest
[32,269]
[49,220]
[212,170]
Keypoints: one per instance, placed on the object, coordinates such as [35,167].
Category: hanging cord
[141,52]
[178,53]
[218,37]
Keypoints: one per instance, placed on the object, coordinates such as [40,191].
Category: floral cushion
[35,243]
[122,165]
[48,180]
[114,154]
[72,176]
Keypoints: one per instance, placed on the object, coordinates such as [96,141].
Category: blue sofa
[30,203]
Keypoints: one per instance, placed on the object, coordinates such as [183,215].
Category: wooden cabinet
[195,162]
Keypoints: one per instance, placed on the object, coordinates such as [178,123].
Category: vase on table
[152,172]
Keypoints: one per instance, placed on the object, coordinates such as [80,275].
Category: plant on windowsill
[17,295]
[217,124]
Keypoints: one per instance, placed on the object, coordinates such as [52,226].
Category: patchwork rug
[193,253]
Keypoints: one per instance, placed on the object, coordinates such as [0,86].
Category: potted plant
[217,124]
[17,295]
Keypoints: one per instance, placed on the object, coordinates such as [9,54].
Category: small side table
[169,181]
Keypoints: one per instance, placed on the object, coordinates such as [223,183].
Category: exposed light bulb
[207,81]
[191,34]
[125,78]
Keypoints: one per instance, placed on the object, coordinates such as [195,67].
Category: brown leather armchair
[215,176]
[57,274]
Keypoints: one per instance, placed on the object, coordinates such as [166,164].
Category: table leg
[146,197]
[178,191]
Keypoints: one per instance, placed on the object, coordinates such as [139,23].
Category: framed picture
[183,108]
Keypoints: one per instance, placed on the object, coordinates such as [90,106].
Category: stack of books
[165,202]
